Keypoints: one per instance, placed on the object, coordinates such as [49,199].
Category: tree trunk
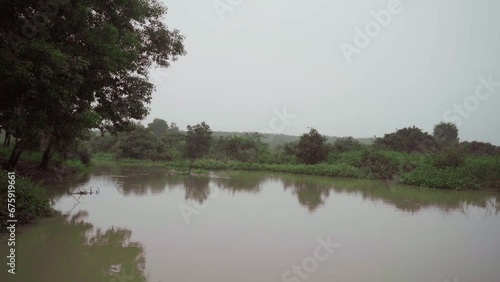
[14,156]
[6,141]
[19,147]
[47,155]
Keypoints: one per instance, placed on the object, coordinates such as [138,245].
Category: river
[147,225]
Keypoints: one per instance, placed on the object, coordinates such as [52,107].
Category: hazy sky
[252,58]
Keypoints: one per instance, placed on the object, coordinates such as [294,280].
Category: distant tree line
[163,141]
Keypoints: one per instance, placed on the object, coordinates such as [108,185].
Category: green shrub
[345,144]
[379,165]
[449,158]
[446,178]
[352,158]
[479,148]
[409,139]
[31,203]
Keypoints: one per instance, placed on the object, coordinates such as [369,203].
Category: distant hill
[275,140]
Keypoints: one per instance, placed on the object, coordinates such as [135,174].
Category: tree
[246,148]
[86,56]
[138,144]
[446,134]
[158,127]
[198,140]
[312,147]
[409,139]
[344,144]
[173,143]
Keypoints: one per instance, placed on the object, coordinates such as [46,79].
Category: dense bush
[479,148]
[138,144]
[31,201]
[312,148]
[447,178]
[353,158]
[248,147]
[379,165]
[344,144]
[449,158]
[103,143]
[410,139]
[446,134]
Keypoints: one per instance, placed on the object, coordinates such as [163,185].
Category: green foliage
[32,201]
[198,139]
[409,139]
[337,170]
[379,165]
[345,144]
[450,158]
[475,173]
[486,170]
[479,148]
[138,144]
[173,143]
[158,127]
[447,178]
[312,148]
[448,169]
[85,66]
[446,134]
[349,157]
[245,148]
[103,143]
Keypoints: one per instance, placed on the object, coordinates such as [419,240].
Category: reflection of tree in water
[242,182]
[144,183]
[80,253]
[197,188]
[310,194]
[59,190]
[404,198]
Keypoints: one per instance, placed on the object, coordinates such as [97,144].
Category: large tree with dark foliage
[312,147]
[198,140]
[158,127]
[78,64]
[446,134]
[409,139]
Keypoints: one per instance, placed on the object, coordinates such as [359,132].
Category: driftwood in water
[85,192]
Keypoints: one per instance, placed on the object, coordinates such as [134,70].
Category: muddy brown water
[145,225]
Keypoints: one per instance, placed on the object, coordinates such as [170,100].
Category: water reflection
[311,191]
[197,188]
[258,219]
[78,252]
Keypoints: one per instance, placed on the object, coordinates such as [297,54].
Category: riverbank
[31,201]
[31,198]
[474,173]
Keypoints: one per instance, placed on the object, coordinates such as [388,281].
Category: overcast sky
[249,59]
